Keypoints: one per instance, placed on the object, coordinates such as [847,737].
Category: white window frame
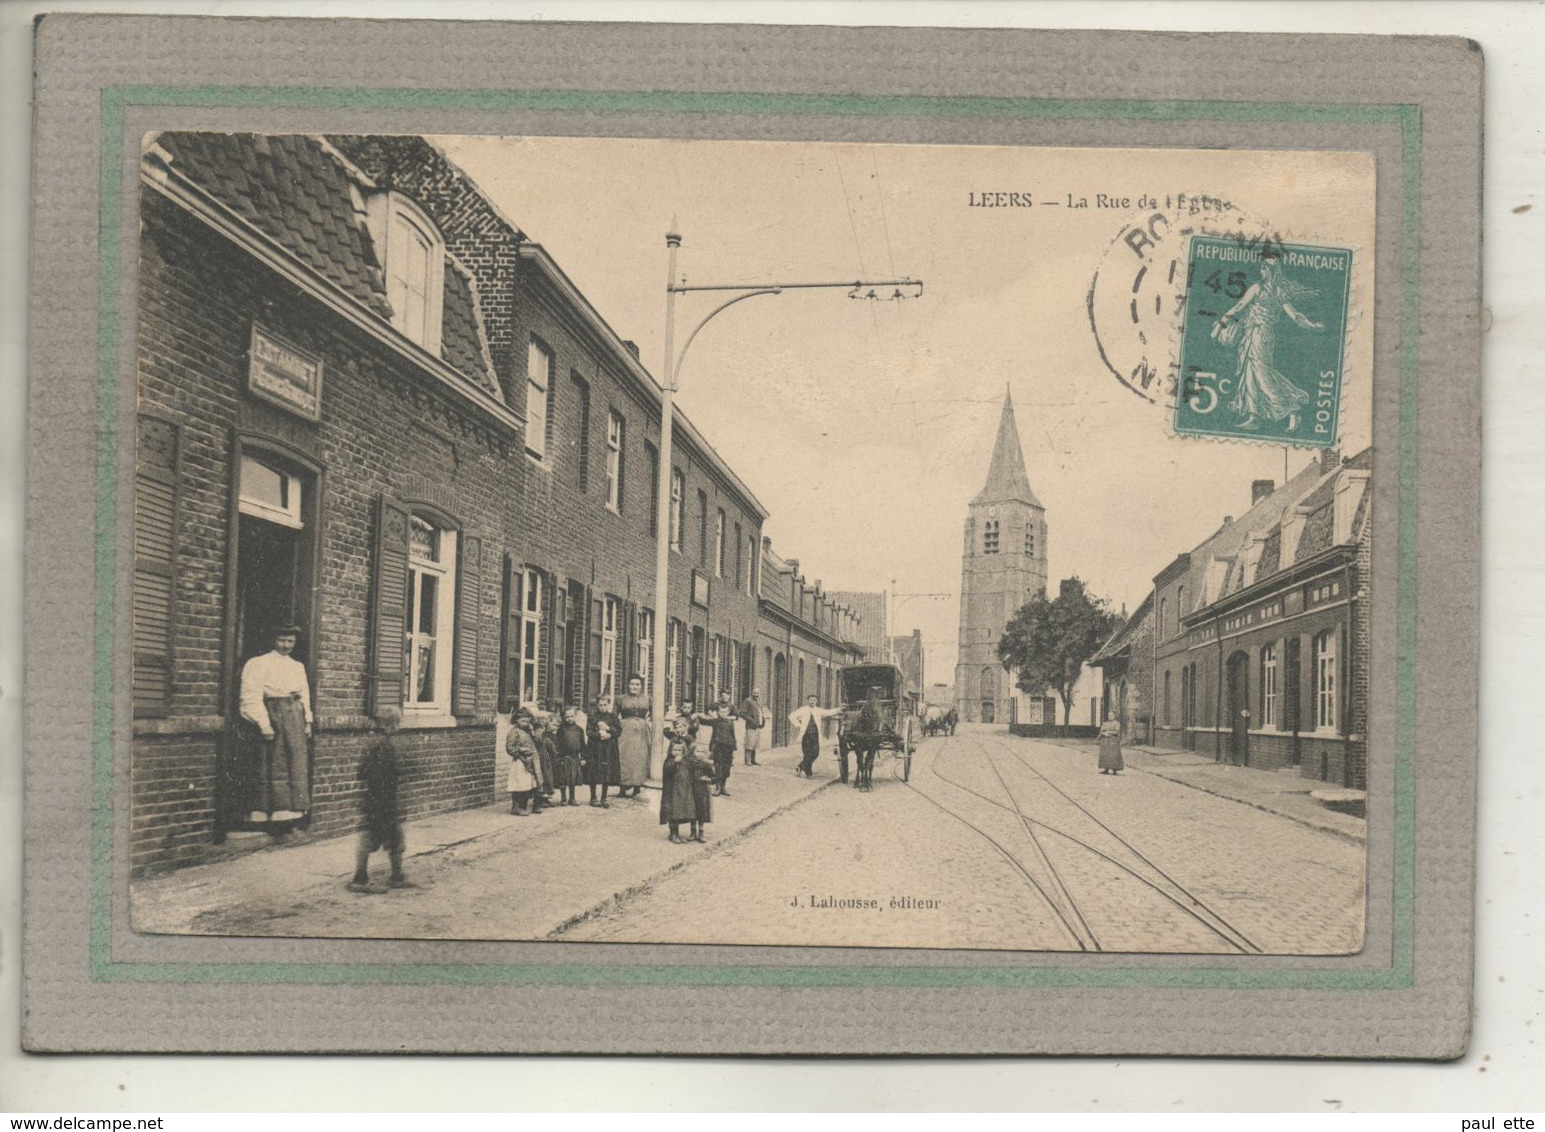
[672,660]
[643,659]
[1325,647]
[384,213]
[611,614]
[615,431]
[715,660]
[541,364]
[288,514]
[442,641]
[678,510]
[533,590]
[1269,688]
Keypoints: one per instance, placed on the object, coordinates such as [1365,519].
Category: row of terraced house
[1252,647]
[371,406]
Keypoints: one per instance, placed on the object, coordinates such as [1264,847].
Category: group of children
[554,754]
[551,756]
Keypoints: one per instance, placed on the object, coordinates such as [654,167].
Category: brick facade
[805,636]
[278,234]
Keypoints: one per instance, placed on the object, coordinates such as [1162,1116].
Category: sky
[866,427]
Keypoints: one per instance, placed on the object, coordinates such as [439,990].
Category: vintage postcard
[688,547]
[1016,543]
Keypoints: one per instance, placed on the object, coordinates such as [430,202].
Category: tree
[1048,641]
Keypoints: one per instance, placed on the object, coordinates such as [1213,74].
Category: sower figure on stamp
[380,804]
[1250,326]
[806,723]
[276,699]
[755,718]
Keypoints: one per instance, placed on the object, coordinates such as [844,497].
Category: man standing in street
[806,722]
[751,712]
[276,699]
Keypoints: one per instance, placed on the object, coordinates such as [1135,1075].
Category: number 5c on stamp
[1262,341]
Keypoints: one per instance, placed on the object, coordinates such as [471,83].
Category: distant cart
[889,725]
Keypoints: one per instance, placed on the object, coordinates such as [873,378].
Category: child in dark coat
[569,748]
[380,810]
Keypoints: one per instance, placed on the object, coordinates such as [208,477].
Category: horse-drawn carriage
[938,720]
[878,714]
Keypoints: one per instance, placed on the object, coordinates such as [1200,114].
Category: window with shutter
[390,621]
[155,566]
[510,640]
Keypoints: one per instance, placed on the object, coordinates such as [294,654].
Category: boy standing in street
[721,747]
[380,809]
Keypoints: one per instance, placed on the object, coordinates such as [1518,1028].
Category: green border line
[104,968]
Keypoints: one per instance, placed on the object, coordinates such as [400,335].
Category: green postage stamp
[1263,340]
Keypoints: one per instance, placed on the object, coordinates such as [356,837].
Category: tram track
[1008,856]
[1156,879]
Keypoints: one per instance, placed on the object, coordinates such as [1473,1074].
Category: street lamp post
[664,535]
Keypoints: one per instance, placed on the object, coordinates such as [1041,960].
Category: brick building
[371,405]
[868,608]
[804,635]
[1262,630]
[907,655]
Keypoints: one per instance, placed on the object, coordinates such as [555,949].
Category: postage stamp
[1262,341]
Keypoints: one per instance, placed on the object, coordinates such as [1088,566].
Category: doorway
[780,701]
[271,566]
[1239,709]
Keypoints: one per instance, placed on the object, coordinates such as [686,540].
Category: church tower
[1003,564]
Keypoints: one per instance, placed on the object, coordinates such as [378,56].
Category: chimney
[767,543]
[631,345]
[1260,489]
[1330,460]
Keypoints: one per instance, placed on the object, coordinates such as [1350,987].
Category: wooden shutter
[555,623]
[510,643]
[390,613]
[593,650]
[627,645]
[155,566]
[469,617]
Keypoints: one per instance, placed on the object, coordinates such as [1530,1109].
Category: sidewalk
[1281,792]
[477,874]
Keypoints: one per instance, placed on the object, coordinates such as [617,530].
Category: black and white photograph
[920,626]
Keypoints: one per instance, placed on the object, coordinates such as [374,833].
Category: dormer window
[412,257]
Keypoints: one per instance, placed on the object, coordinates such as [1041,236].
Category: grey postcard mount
[1012,646]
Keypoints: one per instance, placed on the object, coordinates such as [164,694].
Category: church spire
[1006,476]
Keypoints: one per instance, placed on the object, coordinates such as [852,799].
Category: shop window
[412,256]
[539,390]
[614,437]
[1325,680]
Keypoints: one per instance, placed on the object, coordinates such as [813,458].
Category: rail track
[1041,873]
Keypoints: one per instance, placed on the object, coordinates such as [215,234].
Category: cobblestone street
[1009,843]
[996,842]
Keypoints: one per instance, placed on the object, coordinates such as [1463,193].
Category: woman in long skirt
[633,743]
[601,759]
[521,781]
[1110,748]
